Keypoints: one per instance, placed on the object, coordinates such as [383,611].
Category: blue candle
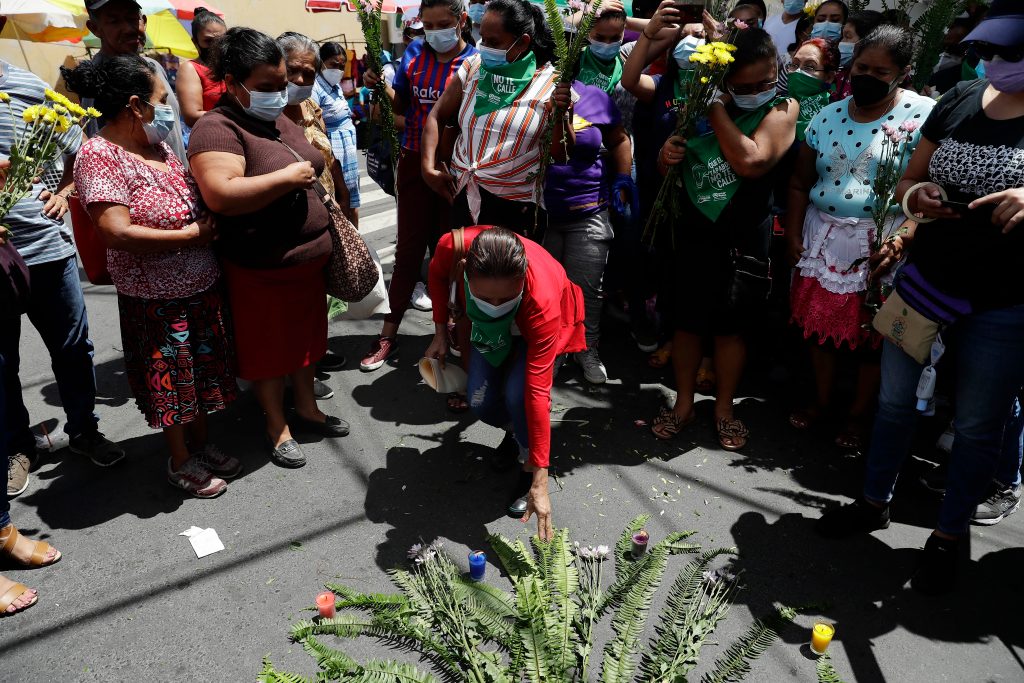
[477,565]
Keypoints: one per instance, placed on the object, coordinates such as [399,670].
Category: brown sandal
[732,434]
[11,596]
[9,536]
[667,425]
[457,403]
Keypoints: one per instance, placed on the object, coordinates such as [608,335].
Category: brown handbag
[455,275]
[351,272]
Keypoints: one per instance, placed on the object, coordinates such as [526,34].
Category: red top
[550,318]
[212,90]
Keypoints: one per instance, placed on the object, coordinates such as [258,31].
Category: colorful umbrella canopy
[164,32]
[389,6]
[43,21]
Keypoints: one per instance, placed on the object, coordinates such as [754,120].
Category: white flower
[414,551]
[602,551]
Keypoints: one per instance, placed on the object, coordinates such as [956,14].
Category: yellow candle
[821,636]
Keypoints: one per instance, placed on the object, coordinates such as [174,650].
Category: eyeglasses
[793,67]
[753,89]
[988,51]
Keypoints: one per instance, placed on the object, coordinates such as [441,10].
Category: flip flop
[667,425]
[457,408]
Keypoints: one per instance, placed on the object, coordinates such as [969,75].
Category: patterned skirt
[178,354]
[836,319]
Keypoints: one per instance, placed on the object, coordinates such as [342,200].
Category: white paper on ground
[204,541]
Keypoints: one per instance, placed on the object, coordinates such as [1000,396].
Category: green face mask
[803,85]
[491,335]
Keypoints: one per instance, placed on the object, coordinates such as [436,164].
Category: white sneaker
[420,299]
[593,369]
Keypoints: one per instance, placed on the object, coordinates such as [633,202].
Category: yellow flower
[76,109]
[60,109]
[700,58]
[4,97]
[63,124]
[704,80]
[93,112]
[811,9]
[724,57]
[49,116]
[51,95]
[31,113]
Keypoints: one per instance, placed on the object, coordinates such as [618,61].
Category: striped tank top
[499,151]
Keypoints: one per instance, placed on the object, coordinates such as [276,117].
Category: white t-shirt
[783,35]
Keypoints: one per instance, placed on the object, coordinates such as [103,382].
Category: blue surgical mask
[476,12]
[332,76]
[793,6]
[755,101]
[606,52]
[162,124]
[266,106]
[493,57]
[297,94]
[829,30]
[499,311]
[443,39]
[684,48]
[846,53]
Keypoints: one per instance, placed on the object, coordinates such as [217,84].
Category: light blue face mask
[606,52]
[684,48]
[443,39]
[266,106]
[846,53]
[793,6]
[493,57]
[829,30]
[162,124]
[755,101]
[297,94]
[476,12]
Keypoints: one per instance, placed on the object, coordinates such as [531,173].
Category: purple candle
[477,565]
[640,540]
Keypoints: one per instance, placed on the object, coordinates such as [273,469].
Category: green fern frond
[533,609]
[331,661]
[686,587]
[626,570]
[630,616]
[734,664]
[553,13]
[562,580]
[371,602]
[271,675]
[416,592]
[377,671]
[514,557]
[826,672]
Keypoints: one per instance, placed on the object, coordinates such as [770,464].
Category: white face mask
[499,311]
[297,94]
[332,76]
[162,124]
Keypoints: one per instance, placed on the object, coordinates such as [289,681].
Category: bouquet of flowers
[711,62]
[580,15]
[38,135]
[896,148]
[369,14]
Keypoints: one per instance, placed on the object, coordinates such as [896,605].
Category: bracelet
[910,193]
[645,34]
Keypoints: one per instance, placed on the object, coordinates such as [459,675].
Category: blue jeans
[497,395]
[988,358]
[1008,469]
[56,309]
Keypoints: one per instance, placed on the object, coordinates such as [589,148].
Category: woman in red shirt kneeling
[524,312]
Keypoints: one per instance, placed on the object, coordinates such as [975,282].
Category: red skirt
[280,317]
[839,319]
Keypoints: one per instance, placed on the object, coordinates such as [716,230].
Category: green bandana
[812,95]
[683,78]
[604,75]
[500,86]
[709,179]
[492,337]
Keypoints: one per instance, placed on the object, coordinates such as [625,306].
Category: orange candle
[325,603]
[821,636]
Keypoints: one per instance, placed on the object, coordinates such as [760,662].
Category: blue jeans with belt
[56,308]
[497,395]
[988,359]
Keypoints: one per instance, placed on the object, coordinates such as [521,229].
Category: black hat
[1003,25]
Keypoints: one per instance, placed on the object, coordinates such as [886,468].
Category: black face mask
[868,90]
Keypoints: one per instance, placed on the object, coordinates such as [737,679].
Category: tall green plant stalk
[369,14]
[582,14]
[543,631]
[930,28]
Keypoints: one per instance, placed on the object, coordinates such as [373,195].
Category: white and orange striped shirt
[500,151]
